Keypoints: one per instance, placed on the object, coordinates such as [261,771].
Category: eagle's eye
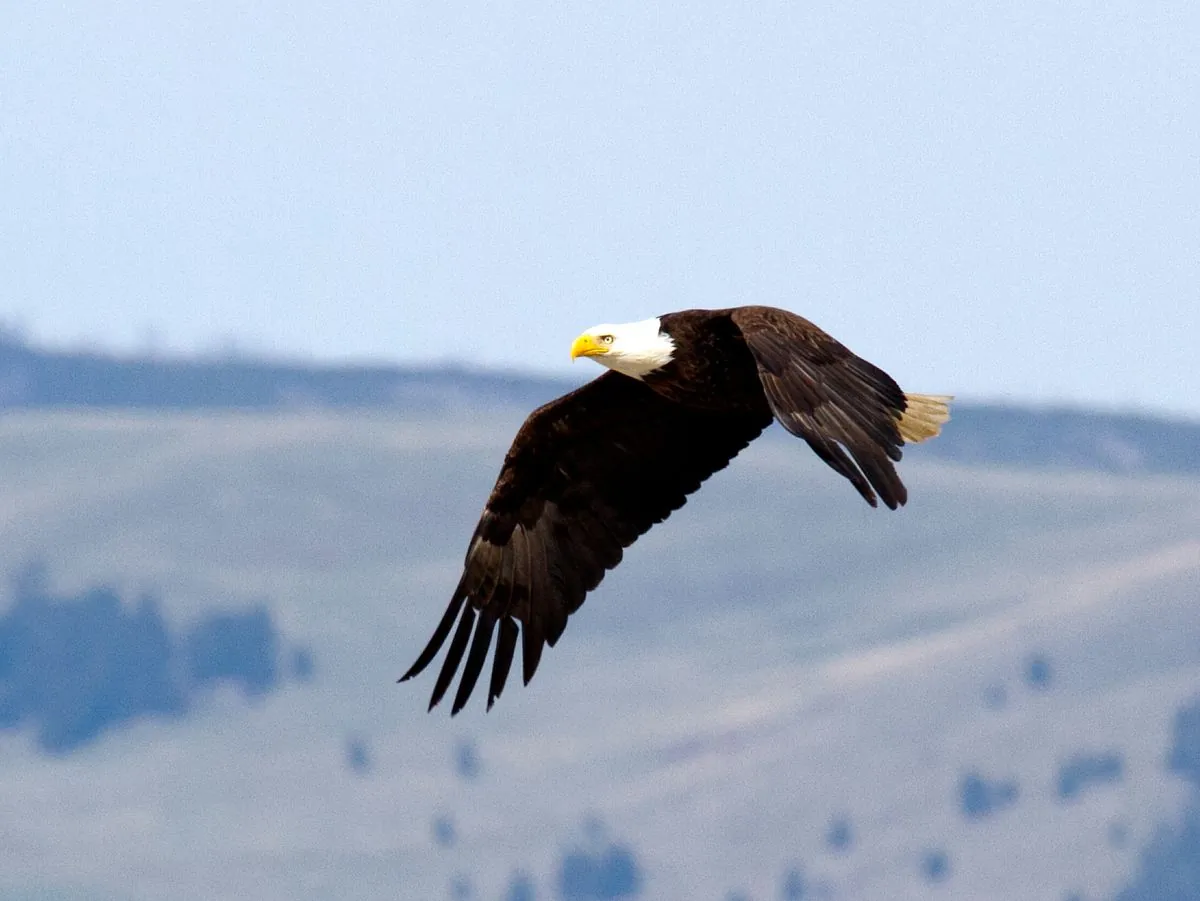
[606,339]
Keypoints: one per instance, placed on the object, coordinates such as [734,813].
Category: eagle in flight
[591,471]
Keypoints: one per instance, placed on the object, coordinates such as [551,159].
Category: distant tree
[599,873]
[1184,757]
[461,889]
[22,680]
[974,799]
[31,580]
[839,836]
[520,888]
[88,652]
[995,696]
[444,833]
[1038,672]
[614,873]
[358,755]
[303,665]
[978,797]
[73,667]
[1118,834]
[793,885]
[935,865]
[76,666]
[1084,769]
[147,668]
[1170,865]
[238,647]
[466,761]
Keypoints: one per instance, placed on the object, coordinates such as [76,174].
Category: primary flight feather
[591,471]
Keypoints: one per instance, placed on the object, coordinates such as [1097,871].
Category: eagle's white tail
[923,416]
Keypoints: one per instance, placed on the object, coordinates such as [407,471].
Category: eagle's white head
[631,348]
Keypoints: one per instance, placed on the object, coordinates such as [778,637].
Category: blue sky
[999,200]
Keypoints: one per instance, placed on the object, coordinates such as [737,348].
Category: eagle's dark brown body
[712,368]
[591,471]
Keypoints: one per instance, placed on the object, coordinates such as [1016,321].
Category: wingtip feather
[506,644]
[458,644]
[475,659]
[439,635]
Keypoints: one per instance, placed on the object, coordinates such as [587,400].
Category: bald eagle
[591,471]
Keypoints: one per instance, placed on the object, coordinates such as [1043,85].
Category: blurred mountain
[781,693]
[34,378]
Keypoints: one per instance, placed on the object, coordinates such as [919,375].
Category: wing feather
[440,633]
[848,410]
[475,659]
[586,475]
[542,588]
[454,656]
[506,646]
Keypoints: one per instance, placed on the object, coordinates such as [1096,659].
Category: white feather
[637,348]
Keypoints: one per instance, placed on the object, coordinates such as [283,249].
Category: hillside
[780,694]
[36,378]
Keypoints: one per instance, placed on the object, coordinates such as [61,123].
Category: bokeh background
[281,281]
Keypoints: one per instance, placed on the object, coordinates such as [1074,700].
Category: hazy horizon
[572,378]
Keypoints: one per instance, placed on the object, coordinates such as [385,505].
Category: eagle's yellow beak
[587,346]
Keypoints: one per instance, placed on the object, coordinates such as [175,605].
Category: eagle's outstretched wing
[585,476]
[852,413]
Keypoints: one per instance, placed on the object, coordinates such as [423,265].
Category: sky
[999,200]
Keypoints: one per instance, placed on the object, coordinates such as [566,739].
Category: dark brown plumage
[591,471]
